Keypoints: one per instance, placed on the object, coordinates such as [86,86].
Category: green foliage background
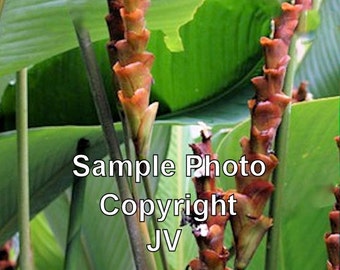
[206,52]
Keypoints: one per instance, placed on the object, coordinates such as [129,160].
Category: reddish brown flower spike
[209,234]
[129,39]
[267,108]
[332,239]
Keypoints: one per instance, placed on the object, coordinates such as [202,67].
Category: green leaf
[225,110]
[4,81]
[34,30]
[161,16]
[47,253]
[321,66]
[160,143]
[216,55]
[212,72]
[312,168]
[50,164]
[175,188]
[63,98]
[104,244]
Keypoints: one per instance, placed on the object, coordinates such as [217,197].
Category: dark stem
[106,120]
[76,212]
[116,30]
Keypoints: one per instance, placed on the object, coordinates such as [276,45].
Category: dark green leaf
[226,110]
[216,55]
[4,83]
[50,160]
[59,93]
[34,30]
[218,60]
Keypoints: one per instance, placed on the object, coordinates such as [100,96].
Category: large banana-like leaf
[34,30]
[219,56]
[320,67]
[175,188]
[50,165]
[47,252]
[104,240]
[311,170]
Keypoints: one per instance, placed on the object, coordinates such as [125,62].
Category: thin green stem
[128,149]
[73,243]
[291,70]
[149,195]
[23,171]
[141,257]
[274,235]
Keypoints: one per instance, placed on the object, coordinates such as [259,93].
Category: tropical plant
[206,52]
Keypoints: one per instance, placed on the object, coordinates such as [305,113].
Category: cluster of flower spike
[133,73]
[252,192]
[209,234]
[267,108]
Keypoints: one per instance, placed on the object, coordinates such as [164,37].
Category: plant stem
[23,170]
[279,175]
[149,195]
[73,243]
[290,75]
[104,114]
